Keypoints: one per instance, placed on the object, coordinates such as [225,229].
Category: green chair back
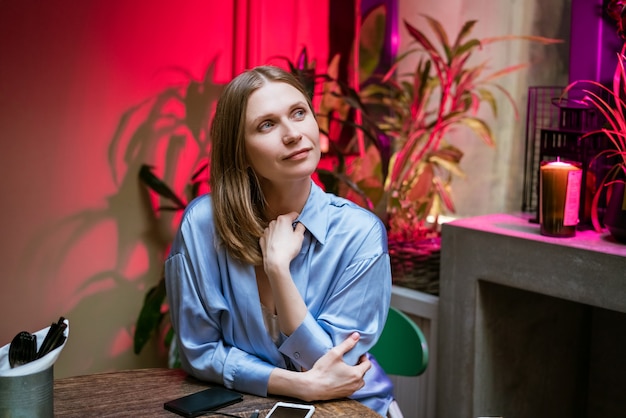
[401,349]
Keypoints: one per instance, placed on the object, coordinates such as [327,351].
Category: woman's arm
[354,298]
[213,341]
[280,244]
[330,377]
[205,356]
[200,334]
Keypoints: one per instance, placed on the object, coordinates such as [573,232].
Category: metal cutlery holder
[27,396]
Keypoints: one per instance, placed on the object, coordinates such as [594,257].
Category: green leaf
[467,47]
[441,35]
[448,161]
[448,153]
[150,316]
[487,96]
[464,33]
[425,43]
[480,128]
[371,41]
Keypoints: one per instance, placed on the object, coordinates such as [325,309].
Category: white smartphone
[290,410]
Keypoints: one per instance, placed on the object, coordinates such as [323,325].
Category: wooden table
[142,392]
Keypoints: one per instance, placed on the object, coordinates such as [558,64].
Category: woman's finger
[299,228]
[347,344]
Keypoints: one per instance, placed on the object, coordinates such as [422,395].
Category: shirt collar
[314,215]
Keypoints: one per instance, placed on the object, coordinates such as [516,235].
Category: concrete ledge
[502,286]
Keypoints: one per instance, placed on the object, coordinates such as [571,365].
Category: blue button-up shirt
[342,272]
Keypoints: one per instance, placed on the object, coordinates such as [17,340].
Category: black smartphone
[202,402]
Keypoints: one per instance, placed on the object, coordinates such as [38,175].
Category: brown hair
[238,201]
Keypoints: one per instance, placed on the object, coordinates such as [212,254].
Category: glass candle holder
[559,198]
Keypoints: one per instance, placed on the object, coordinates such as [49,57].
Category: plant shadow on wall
[169,128]
[187,128]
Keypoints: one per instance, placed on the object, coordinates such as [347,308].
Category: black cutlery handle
[54,338]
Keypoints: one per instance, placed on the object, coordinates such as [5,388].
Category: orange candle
[559,198]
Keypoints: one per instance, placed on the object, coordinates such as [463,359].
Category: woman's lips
[297,155]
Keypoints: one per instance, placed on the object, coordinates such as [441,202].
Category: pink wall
[74,237]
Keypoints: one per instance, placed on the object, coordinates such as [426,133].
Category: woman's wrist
[293,384]
[276,269]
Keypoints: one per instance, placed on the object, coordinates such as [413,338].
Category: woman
[274,286]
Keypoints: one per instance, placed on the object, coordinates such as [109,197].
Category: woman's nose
[291,134]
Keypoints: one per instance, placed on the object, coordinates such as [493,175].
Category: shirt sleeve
[202,314]
[203,352]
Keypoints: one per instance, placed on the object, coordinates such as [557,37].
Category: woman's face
[282,135]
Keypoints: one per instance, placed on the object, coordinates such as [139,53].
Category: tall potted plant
[408,169]
[610,103]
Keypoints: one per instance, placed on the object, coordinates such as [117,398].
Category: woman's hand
[281,242]
[330,377]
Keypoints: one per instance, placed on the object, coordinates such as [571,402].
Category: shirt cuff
[307,343]
[247,374]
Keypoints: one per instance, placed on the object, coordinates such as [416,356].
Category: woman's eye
[265,125]
[299,114]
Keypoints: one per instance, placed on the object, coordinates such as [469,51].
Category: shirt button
[296,355]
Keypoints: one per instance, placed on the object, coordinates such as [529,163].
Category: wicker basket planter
[415,262]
